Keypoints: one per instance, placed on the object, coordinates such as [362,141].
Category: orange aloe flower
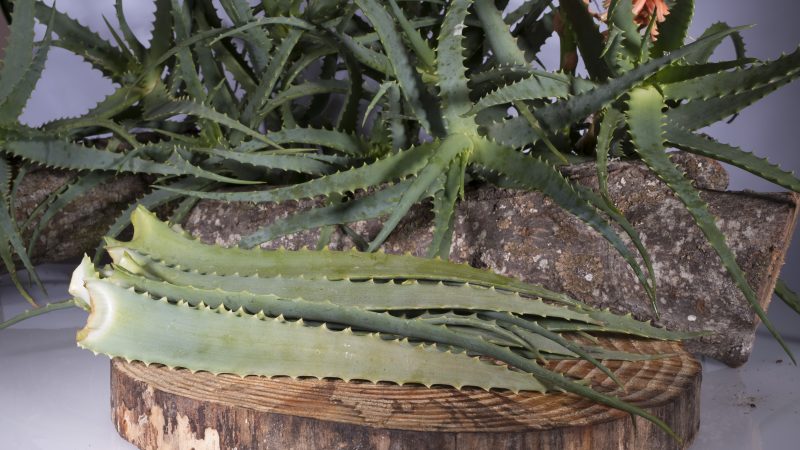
[644,10]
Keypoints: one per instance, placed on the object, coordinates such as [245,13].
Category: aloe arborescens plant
[376,106]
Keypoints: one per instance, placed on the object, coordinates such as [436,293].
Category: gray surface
[54,395]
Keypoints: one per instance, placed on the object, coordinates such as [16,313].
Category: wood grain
[159,408]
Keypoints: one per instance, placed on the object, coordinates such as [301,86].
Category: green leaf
[622,19]
[414,90]
[438,163]
[85,43]
[490,331]
[110,107]
[381,295]
[38,311]
[709,147]
[555,337]
[5,178]
[393,167]
[444,206]
[450,68]
[612,119]
[186,106]
[647,124]
[80,123]
[10,235]
[347,119]
[503,44]
[515,132]
[375,99]
[698,114]
[307,89]
[673,31]
[258,42]
[151,200]
[12,105]
[235,341]
[612,323]
[676,73]
[566,112]
[55,153]
[333,139]
[730,83]
[133,42]
[214,78]
[8,262]
[590,41]
[19,51]
[394,107]
[787,295]
[162,37]
[709,44]
[366,56]
[265,160]
[418,44]
[159,242]
[118,40]
[185,69]
[220,34]
[531,88]
[187,168]
[607,206]
[269,78]
[372,206]
[61,199]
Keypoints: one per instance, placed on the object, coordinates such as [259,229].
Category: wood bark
[159,408]
[79,227]
[526,236]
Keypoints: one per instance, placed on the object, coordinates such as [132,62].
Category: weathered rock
[526,236]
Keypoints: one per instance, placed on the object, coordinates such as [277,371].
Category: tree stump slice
[155,407]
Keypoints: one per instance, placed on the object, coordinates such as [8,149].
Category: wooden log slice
[159,408]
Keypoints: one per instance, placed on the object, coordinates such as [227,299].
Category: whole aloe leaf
[334,265]
[122,322]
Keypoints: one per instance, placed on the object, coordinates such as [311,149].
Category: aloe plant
[454,97]
[398,101]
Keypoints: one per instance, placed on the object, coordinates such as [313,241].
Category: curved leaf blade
[647,123]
